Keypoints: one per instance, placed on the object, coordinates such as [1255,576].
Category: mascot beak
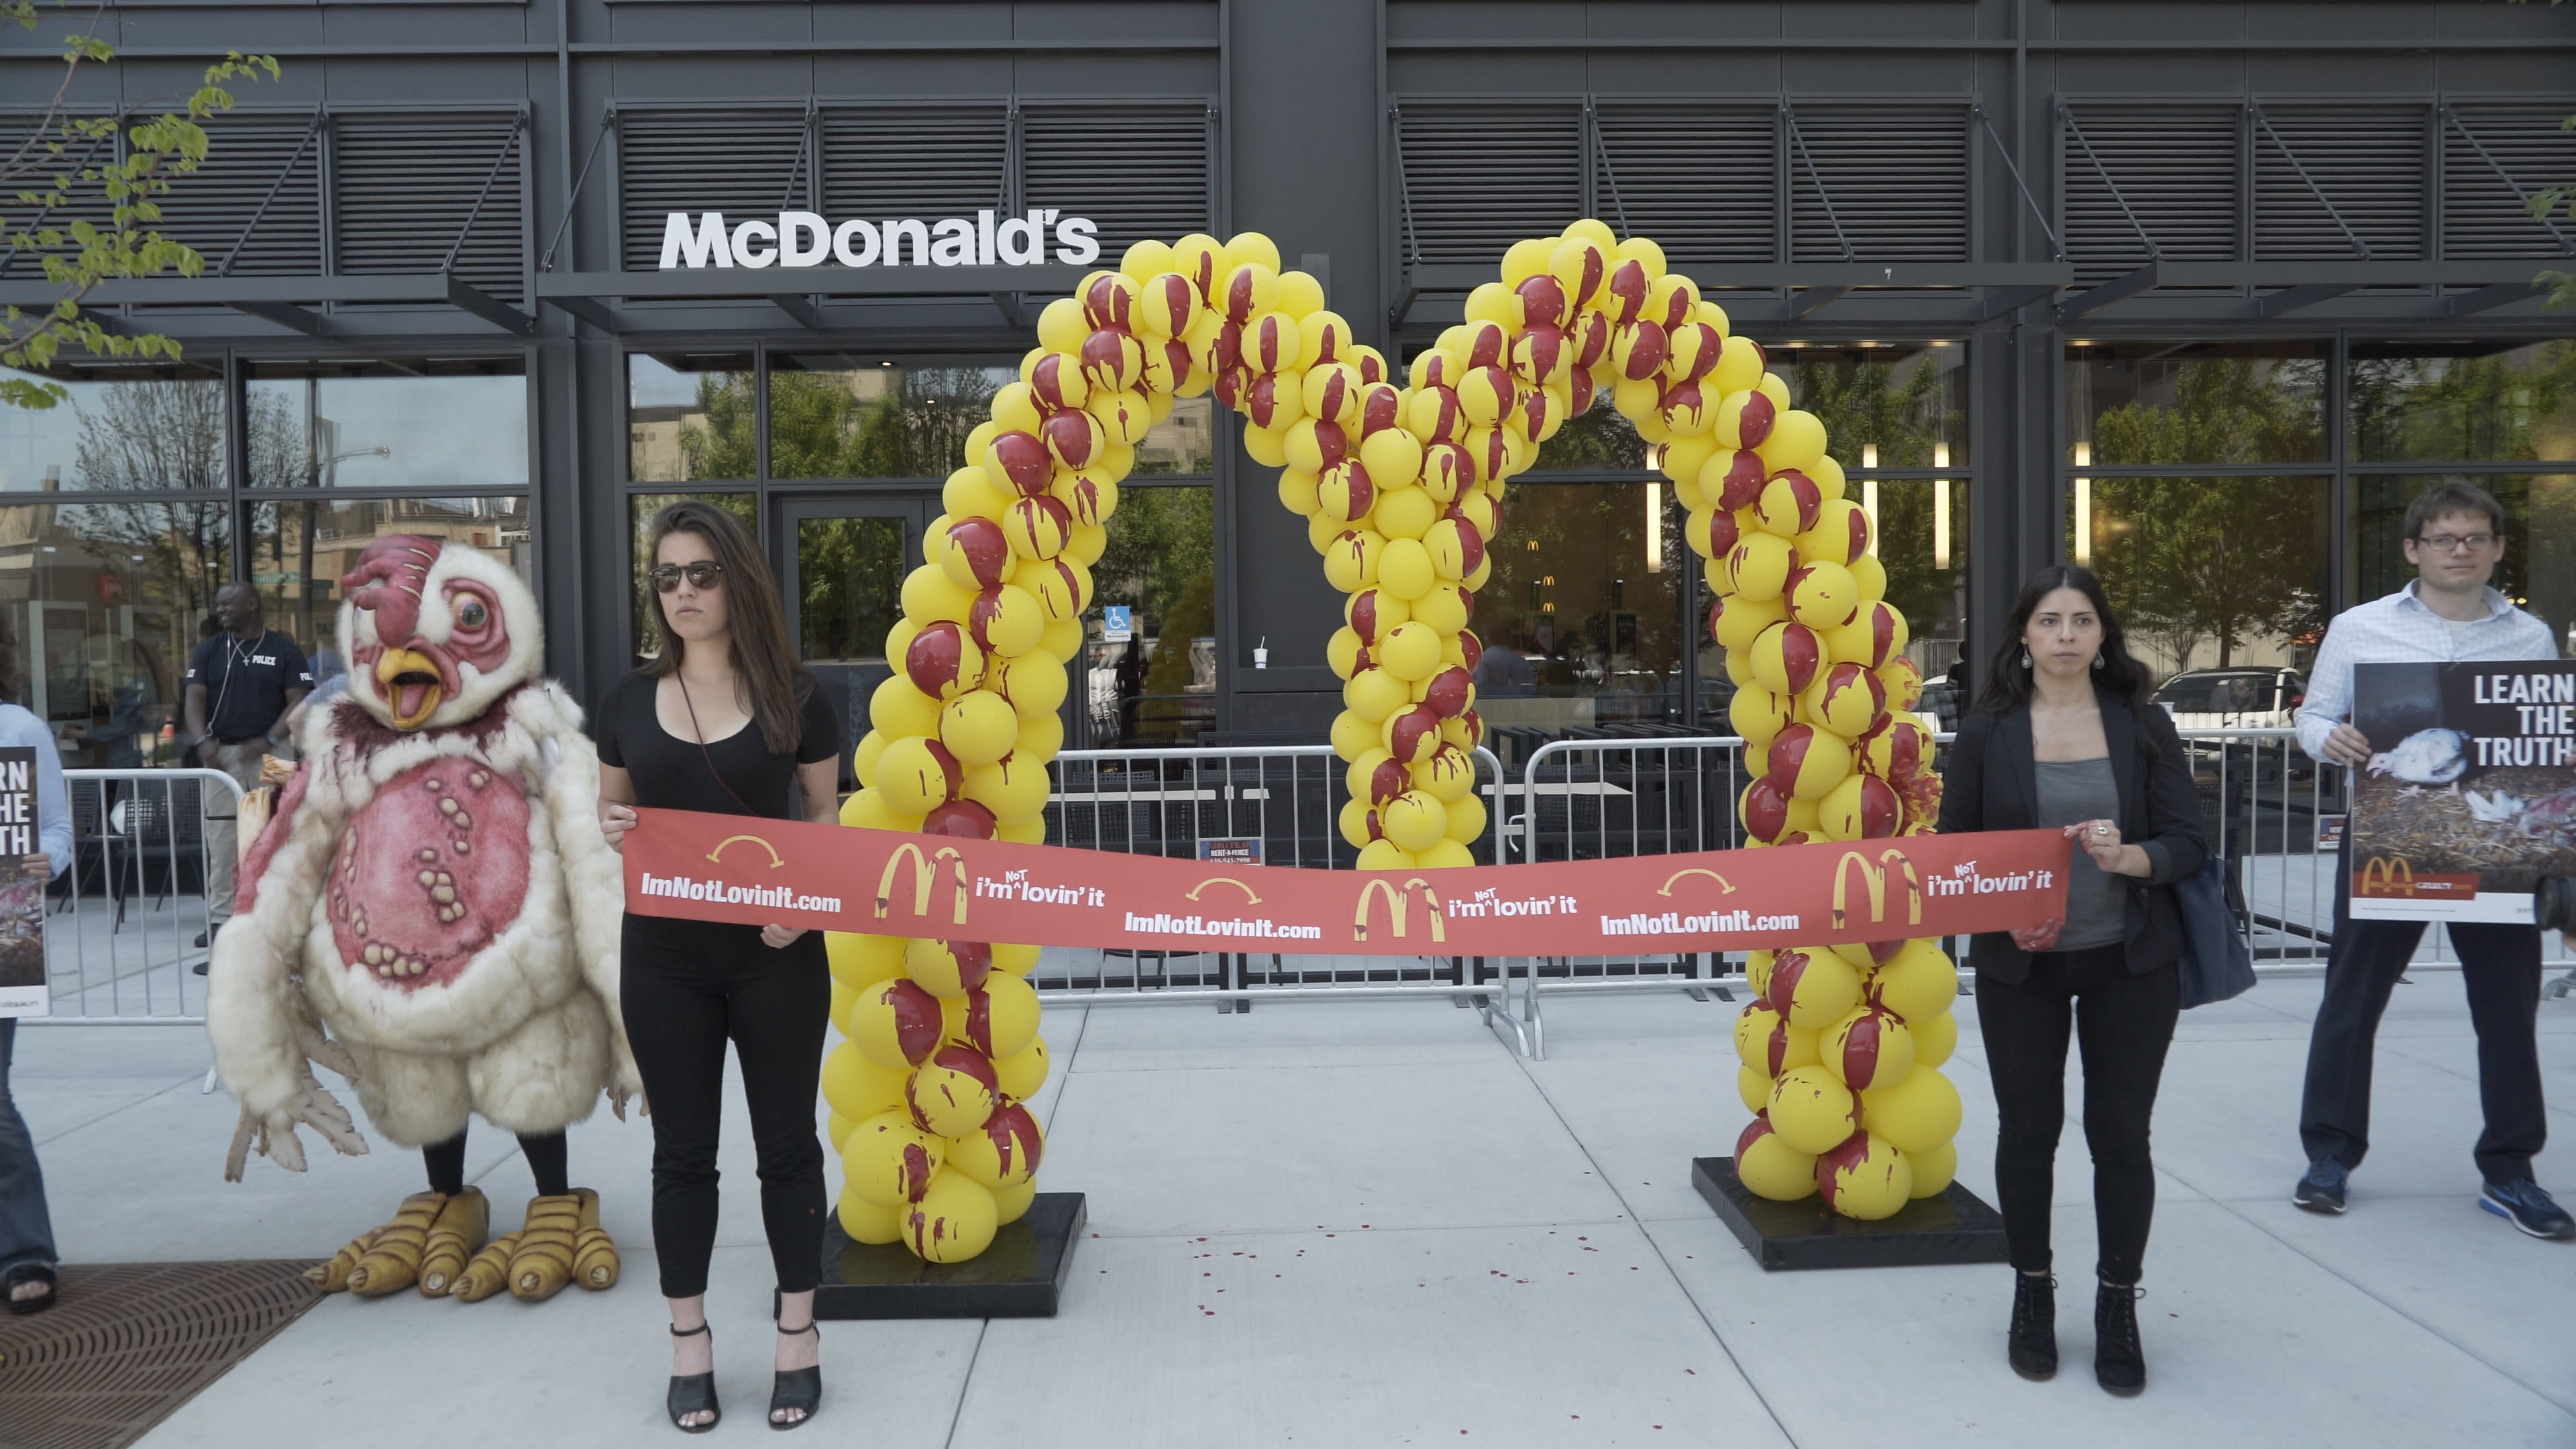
[408,681]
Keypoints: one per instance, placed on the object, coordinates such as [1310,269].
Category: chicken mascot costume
[432,913]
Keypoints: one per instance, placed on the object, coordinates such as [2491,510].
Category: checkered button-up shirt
[2399,629]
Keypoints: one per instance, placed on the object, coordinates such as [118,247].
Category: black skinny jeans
[688,987]
[2123,1022]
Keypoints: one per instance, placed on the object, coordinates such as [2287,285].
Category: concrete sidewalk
[1372,1224]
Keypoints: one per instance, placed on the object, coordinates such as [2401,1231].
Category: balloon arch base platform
[1022,1275]
[1954,1226]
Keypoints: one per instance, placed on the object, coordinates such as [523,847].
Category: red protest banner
[834,877]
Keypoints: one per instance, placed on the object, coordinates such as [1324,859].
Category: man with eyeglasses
[2455,539]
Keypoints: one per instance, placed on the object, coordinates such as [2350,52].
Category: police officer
[241,682]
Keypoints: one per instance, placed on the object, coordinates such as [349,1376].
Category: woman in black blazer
[2065,736]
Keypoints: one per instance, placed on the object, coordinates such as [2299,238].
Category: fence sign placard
[22,893]
[2469,799]
[890,883]
[1244,850]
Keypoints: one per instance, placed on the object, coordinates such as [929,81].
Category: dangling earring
[2097,661]
[2025,659]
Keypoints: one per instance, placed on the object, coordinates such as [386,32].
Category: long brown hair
[767,677]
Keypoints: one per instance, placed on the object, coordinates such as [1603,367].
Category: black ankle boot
[2119,1364]
[2032,1342]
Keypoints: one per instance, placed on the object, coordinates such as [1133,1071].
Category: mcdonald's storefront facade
[2198,293]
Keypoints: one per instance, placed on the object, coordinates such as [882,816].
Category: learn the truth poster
[2469,799]
[22,892]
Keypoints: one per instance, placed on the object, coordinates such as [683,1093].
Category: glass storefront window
[1599,441]
[1158,688]
[1582,619]
[838,416]
[300,548]
[640,508]
[407,423]
[850,570]
[2538,571]
[1183,443]
[2461,402]
[689,417]
[2208,572]
[107,600]
[1883,407]
[2161,403]
[118,427]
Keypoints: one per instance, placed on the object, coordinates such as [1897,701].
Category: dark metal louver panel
[1703,181]
[246,159]
[1897,176]
[1138,170]
[2482,214]
[2176,166]
[743,163]
[404,187]
[38,176]
[2370,161]
[1479,177]
[914,161]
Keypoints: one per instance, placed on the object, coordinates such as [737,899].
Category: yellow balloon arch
[1401,483]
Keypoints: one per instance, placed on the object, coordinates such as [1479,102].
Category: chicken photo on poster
[2467,808]
[22,894]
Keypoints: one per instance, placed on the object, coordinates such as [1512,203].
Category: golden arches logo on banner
[925,878]
[1873,879]
[775,859]
[1396,900]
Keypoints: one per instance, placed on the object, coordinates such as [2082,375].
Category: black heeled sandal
[693,1393]
[800,1389]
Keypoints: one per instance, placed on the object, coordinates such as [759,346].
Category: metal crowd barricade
[1164,801]
[121,931]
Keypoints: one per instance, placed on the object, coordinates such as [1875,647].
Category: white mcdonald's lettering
[807,239]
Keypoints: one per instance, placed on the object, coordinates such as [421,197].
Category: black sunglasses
[703,574]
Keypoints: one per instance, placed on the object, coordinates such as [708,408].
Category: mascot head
[435,634]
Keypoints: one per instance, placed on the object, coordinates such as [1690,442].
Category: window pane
[689,417]
[107,600]
[300,548]
[439,423]
[2208,571]
[1884,407]
[2198,402]
[2539,567]
[838,416]
[640,509]
[851,571]
[1183,442]
[1582,619]
[1599,441]
[1159,688]
[2448,401]
[120,427]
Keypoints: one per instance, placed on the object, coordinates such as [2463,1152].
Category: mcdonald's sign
[925,879]
[2385,876]
[1873,878]
[1396,900]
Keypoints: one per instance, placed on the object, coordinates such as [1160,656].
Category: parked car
[2206,699]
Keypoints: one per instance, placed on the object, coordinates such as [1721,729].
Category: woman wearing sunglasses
[724,721]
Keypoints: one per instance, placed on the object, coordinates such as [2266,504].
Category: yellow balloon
[1797,439]
[1410,651]
[954,1221]
[1386,855]
[1446,855]
[1407,513]
[868,1222]
[1467,819]
[1865,1177]
[1023,1074]
[1935,1037]
[1352,563]
[868,810]
[1919,981]
[1919,1113]
[1404,569]
[1414,821]
[861,961]
[858,1088]
[1810,1110]
[979,728]
[888,1160]
[1770,1168]
[1004,1153]
[1934,1170]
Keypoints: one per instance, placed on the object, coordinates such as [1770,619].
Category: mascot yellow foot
[562,1243]
[389,1259]
[456,1234]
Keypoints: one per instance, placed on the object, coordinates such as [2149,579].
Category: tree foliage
[91,186]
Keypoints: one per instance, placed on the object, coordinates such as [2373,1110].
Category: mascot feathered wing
[432,913]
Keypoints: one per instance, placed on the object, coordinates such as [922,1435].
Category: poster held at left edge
[2466,810]
[22,896]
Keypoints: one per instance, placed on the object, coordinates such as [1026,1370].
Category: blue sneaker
[2322,1190]
[2523,1204]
